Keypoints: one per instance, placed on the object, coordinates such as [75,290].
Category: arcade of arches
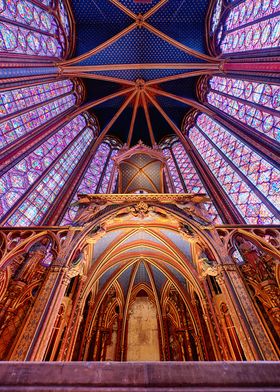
[141,225]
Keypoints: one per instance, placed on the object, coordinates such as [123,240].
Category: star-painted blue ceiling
[99,20]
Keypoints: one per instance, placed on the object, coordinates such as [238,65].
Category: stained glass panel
[107,175]
[14,100]
[25,123]
[242,195]
[15,39]
[32,210]
[15,182]
[216,15]
[189,175]
[92,178]
[258,93]
[28,14]
[251,10]
[260,172]
[253,116]
[28,28]
[64,17]
[250,25]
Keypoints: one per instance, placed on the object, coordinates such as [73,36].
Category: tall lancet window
[246,102]
[31,185]
[34,28]
[26,111]
[248,26]
[182,173]
[250,181]
[99,177]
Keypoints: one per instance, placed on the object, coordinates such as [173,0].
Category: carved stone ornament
[196,211]
[88,212]
[206,267]
[141,210]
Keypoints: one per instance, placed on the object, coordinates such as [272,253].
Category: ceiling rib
[178,45]
[139,66]
[153,10]
[114,118]
[135,108]
[140,18]
[124,9]
[187,101]
[148,120]
[164,115]
[100,77]
[92,104]
[104,45]
[184,75]
[145,91]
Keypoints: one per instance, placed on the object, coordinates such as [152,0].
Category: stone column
[66,350]
[34,337]
[253,337]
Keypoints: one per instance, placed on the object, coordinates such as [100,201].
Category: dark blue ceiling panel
[138,6]
[184,21]
[140,46]
[96,22]
[159,278]
[124,280]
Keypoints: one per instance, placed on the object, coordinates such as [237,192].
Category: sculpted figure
[253,257]
[34,258]
[207,268]
[85,214]
[196,210]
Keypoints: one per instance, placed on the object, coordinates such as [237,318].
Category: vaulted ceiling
[97,21]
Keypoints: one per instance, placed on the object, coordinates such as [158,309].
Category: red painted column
[251,67]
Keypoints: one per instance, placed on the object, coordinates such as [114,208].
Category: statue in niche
[33,262]
[259,272]
[255,265]
[175,348]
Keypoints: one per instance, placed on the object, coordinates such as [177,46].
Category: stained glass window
[32,210]
[184,175]
[229,159]
[25,123]
[64,17]
[28,28]
[252,103]
[14,100]
[249,25]
[216,15]
[17,180]
[96,178]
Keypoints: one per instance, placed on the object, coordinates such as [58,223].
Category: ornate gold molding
[163,198]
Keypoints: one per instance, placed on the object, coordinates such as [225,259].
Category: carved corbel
[207,267]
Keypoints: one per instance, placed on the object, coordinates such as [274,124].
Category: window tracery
[248,25]
[97,177]
[239,170]
[31,29]
[37,202]
[16,181]
[252,103]
[184,175]
[33,107]
[14,100]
